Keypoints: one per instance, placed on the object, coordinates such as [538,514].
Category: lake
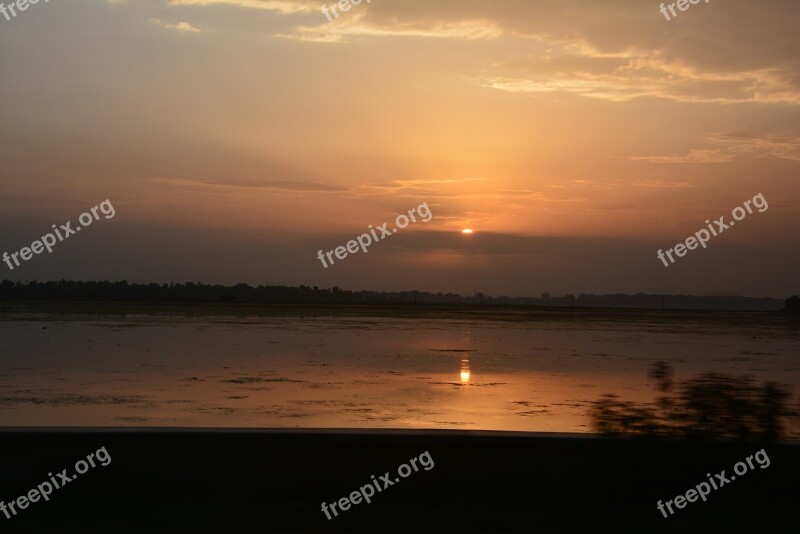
[494,369]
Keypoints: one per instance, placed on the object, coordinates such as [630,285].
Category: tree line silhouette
[66,290]
[241,293]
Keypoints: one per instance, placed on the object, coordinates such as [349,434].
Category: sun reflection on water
[465,371]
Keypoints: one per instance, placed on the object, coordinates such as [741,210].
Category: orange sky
[229,124]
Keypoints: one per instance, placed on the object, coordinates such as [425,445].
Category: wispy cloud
[278,185]
[285,7]
[726,148]
[637,73]
[711,155]
[221,185]
[183,27]
[663,184]
[399,185]
[593,50]
[357,25]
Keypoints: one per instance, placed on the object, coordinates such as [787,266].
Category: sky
[237,138]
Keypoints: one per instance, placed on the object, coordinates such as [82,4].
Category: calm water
[359,372]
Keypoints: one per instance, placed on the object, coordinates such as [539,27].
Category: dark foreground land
[275,481]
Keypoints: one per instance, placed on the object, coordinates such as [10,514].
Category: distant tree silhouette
[710,406]
[66,290]
[123,291]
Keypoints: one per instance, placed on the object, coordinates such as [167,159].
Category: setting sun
[466,231]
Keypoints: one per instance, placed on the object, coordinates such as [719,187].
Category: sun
[466,231]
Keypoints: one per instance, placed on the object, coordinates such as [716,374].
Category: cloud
[638,73]
[726,148]
[611,51]
[661,184]
[279,185]
[464,188]
[693,156]
[356,25]
[399,185]
[284,7]
[183,27]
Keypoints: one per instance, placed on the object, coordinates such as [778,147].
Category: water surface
[354,371]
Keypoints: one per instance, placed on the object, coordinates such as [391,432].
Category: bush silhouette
[710,406]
